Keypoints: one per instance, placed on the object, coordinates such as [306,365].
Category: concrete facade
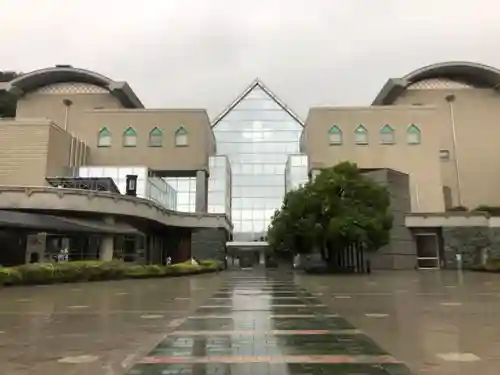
[400,253]
[419,161]
[430,135]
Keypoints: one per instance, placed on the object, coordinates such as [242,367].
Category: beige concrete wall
[40,105]
[90,112]
[104,203]
[420,162]
[58,152]
[476,114]
[449,220]
[23,152]
[31,150]
[201,143]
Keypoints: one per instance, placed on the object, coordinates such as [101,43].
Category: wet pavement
[98,328]
[266,324]
[253,322]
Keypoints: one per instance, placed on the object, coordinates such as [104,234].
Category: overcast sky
[203,53]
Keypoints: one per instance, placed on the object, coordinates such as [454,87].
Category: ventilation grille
[438,84]
[72,88]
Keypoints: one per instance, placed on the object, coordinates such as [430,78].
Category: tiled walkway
[262,323]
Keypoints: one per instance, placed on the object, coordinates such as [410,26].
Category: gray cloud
[202,53]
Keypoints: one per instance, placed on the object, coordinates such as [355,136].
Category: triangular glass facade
[257,135]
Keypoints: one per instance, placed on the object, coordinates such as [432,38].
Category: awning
[60,224]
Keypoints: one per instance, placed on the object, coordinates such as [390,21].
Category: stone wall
[208,243]
[401,251]
[475,244]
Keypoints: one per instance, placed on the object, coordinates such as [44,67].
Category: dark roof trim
[474,74]
[60,224]
[43,77]
[257,83]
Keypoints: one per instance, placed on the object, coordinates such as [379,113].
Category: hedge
[66,272]
[492,266]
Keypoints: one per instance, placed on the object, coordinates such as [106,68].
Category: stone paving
[98,328]
[266,324]
[253,322]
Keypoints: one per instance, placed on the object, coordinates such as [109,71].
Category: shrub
[143,271]
[492,210]
[211,264]
[37,273]
[10,276]
[45,273]
[71,272]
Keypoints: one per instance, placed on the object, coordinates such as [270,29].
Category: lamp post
[67,103]
[131,187]
[451,100]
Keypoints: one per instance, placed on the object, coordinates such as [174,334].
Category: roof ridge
[257,82]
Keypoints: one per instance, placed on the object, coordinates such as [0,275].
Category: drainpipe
[417,198]
[451,99]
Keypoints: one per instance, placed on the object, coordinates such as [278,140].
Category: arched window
[335,135]
[387,135]
[181,137]
[104,138]
[155,137]
[413,135]
[130,137]
[361,135]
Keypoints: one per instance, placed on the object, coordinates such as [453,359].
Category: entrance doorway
[427,250]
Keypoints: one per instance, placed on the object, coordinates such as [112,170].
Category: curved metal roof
[474,74]
[468,72]
[43,77]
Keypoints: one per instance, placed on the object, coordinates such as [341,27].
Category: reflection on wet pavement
[438,323]
[265,324]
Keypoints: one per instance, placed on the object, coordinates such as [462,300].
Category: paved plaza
[256,322]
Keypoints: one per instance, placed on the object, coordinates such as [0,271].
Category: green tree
[339,210]
[8,101]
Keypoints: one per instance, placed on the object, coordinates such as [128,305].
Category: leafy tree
[339,210]
[8,101]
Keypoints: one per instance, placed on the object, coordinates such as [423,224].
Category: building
[430,136]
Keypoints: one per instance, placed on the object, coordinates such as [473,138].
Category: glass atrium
[257,134]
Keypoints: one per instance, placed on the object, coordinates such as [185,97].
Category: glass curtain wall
[186,192]
[296,172]
[152,188]
[219,186]
[257,135]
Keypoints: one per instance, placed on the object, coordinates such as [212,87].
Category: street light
[67,103]
[451,100]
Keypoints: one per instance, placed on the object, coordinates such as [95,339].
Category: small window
[104,138]
[413,136]
[361,135]
[335,135]
[155,138]
[181,137]
[130,138]
[387,135]
[444,155]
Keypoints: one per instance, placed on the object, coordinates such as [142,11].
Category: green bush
[493,265]
[10,276]
[143,271]
[61,272]
[113,270]
[37,273]
[492,210]
[211,264]
[70,272]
